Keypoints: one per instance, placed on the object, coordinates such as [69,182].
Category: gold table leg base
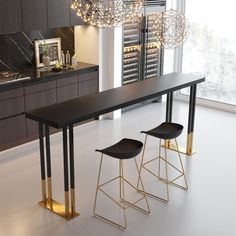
[58,208]
[182,150]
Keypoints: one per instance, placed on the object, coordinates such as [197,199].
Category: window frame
[178,56]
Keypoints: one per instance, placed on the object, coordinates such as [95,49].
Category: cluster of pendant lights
[106,13]
[171,28]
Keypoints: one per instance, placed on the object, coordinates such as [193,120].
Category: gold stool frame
[158,175]
[123,203]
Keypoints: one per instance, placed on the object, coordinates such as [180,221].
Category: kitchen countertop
[42,74]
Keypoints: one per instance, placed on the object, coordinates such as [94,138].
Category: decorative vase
[46,60]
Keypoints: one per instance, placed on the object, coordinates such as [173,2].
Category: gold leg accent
[44,195]
[56,207]
[67,204]
[167,143]
[49,180]
[186,151]
[72,198]
[190,144]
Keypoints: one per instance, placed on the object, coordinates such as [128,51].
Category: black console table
[65,115]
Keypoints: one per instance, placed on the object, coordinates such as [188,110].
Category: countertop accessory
[10,76]
[53,47]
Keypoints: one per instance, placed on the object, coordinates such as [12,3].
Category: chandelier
[106,13]
[170,29]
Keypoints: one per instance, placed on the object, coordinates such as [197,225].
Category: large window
[211,48]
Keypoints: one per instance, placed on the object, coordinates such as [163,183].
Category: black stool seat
[165,130]
[124,149]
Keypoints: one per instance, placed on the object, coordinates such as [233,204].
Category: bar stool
[123,150]
[165,131]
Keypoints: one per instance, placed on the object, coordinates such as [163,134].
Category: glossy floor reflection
[207,208]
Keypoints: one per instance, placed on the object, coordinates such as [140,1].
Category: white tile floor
[207,208]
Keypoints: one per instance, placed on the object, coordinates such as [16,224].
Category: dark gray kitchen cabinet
[10,16]
[58,13]
[15,129]
[67,89]
[12,120]
[88,83]
[12,130]
[11,103]
[37,96]
[88,87]
[11,107]
[34,14]
[66,93]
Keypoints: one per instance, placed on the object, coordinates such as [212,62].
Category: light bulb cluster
[130,49]
[152,45]
[107,13]
[170,29]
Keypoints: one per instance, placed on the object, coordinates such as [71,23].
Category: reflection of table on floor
[64,115]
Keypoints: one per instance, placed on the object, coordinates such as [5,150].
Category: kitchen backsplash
[17,50]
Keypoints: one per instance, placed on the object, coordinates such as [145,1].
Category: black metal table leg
[169,107]
[42,162]
[47,201]
[72,171]
[192,104]
[48,158]
[66,176]
[191,118]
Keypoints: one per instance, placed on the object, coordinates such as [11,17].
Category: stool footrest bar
[182,150]
[154,196]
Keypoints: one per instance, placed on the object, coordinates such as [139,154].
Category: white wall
[110,61]
[87,44]
[102,47]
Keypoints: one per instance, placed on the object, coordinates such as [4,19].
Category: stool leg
[159,160]
[98,180]
[140,169]
[142,166]
[120,178]
[144,193]
[121,189]
[122,193]
[167,185]
[182,167]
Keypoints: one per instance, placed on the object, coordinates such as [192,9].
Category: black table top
[86,107]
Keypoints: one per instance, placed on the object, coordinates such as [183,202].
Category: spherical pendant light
[171,29]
